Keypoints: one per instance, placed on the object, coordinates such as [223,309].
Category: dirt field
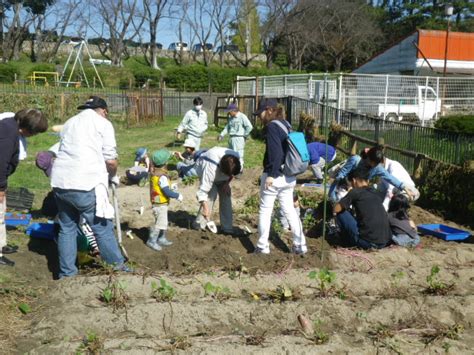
[228,300]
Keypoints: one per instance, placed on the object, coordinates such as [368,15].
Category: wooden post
[353,146]
[417,166]
[62,106]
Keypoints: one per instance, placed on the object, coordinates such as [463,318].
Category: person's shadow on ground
[49,249]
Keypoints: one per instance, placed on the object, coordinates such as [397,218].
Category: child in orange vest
[160,194]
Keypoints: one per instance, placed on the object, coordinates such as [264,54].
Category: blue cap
[140,153]
[232,107]
[264,104]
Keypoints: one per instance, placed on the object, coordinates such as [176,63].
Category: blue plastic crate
[42,231]
[17,219]
[444,232]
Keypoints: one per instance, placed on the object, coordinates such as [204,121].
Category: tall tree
[120,20]
[154,11]
[221,22]
[247,27]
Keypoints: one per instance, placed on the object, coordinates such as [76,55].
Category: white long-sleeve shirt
[87,142]
[397,170]
[194,122]
[207,168]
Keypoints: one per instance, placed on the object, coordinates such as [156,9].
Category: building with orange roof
[423,53]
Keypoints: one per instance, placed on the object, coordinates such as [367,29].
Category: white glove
[174,187]
[180,198]
[219,138]
[268,182]
[115,180]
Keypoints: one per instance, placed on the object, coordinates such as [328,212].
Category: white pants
[282,189]
[225,208]
[3,228]
[196,140]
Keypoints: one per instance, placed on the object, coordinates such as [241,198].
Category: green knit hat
[160,157]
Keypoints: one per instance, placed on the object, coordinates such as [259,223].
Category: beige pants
[3,228]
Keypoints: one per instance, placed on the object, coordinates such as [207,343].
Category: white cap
[189,143]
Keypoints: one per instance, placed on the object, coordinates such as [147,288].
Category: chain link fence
[391,97]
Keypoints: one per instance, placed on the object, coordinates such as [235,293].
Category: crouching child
[160,194]
[369,228]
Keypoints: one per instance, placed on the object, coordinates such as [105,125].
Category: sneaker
[261,251]
[154,246]
[7,262]
[299,250]
[124,268]
[8,249]
[164,242]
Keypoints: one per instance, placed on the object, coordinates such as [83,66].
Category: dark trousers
[350,232]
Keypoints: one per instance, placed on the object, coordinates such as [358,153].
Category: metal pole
[339,99]
[437,98]
[325,199]
[424,103]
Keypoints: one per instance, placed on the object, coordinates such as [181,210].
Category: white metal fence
[393,97]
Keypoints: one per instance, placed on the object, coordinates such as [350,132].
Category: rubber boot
[152,241]
[162,239]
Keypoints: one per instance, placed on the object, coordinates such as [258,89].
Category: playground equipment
[43,76]
[77,52]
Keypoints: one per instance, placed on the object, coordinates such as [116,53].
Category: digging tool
[211,226]
[117,221]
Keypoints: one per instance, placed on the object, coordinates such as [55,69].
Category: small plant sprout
[435,285]
[326,280]
[320,336]
[164,292]
[91,344]
[189,180]
[216,291]
[114,294]
[308,221]
[284,293]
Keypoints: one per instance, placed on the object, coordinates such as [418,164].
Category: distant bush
[462,124]
[197,77]
[7,73]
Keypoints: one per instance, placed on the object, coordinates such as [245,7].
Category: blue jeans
[186,170]
[72,204]
[350,232]
[405,240]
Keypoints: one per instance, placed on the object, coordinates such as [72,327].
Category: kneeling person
[370,228]
[160,193]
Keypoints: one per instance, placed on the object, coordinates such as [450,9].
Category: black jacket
[275,149]
[9,149]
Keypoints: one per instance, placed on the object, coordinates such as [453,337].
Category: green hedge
[462,124]
[194,77]
[7,73]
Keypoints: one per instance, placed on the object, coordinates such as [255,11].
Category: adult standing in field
[319,154]
[273,183]
[216,168]
[194,123]
[238,127]
[13,128]
[86,160]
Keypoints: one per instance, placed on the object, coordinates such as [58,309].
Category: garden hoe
[117,221]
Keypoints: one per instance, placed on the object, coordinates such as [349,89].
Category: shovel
[117,221]
[211,226]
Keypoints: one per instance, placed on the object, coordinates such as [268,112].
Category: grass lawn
[154,136]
